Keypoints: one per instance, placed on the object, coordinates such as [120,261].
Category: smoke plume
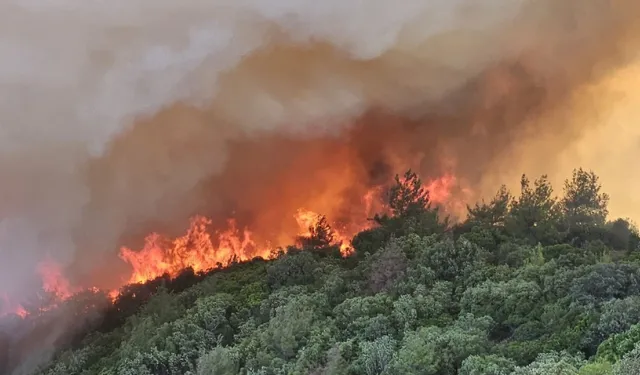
[118,118]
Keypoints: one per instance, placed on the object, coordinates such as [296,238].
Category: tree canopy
[528,284]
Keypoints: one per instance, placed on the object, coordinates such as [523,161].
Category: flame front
[53,280]
[195,249]
[307,220]
[204,248]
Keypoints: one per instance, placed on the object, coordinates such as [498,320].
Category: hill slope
[528,284]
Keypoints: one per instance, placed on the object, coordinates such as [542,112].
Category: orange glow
[195,249]
[440,189]
[53,280]
[308,219]
[8,307]
[21,312]
[204,248]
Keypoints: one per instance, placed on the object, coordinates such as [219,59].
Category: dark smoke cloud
[120,119]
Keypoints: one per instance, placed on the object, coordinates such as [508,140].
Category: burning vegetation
[204,248]
[182,290]
[165,142]
[187,259]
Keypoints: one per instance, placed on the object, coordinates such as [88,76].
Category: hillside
[528,284]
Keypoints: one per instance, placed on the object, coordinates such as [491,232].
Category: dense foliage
[528,284]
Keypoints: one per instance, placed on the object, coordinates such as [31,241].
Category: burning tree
[320,235]
[410,207]
[408,196]
[408,211]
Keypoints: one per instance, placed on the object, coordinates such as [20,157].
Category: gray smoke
[112,114]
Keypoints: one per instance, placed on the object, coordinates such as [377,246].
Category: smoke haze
[120,118]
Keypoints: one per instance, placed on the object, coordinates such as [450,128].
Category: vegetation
[529,284]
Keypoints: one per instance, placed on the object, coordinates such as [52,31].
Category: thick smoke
[118,118]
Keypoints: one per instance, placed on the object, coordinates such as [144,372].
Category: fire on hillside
[204,247]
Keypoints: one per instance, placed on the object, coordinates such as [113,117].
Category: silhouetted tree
[512,290]
[584,204]
[321,235]
[407,196]
[410,209]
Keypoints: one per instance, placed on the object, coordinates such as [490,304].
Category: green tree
[618,345]
[509,303]
[624,235]
[434,350]
[605,282]
[552,363]
[535,215]
[292,269]
[584,204]
[596,368]
[366,317]
[486,365]
[388,267]
[410,208]
[511,290]
[630,363]
[376,355]
[617,316]
[219,361]
[454,260]
[494,213]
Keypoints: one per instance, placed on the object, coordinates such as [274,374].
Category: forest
[533,282]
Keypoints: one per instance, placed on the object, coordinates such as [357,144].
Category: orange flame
[308,219]
[195,249]
[53,280]
[7,306]
[202,249]
[440,190]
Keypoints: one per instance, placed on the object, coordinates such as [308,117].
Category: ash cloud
[120,118]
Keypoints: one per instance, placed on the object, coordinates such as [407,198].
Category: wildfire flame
[203,249]
[53,280]
[307,220]
[8,307]
[195,249]
[440,189]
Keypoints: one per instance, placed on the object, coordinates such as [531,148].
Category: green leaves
[529,285]
[584,204]
[434,350]
[552,363]
[219,361]
[510,303]
[535,216]
[486,365]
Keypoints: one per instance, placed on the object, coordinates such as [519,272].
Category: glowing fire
[195,249]
[8,307]
[440,189]
[308,219]
[53,280]
[203,249]
[21,312]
